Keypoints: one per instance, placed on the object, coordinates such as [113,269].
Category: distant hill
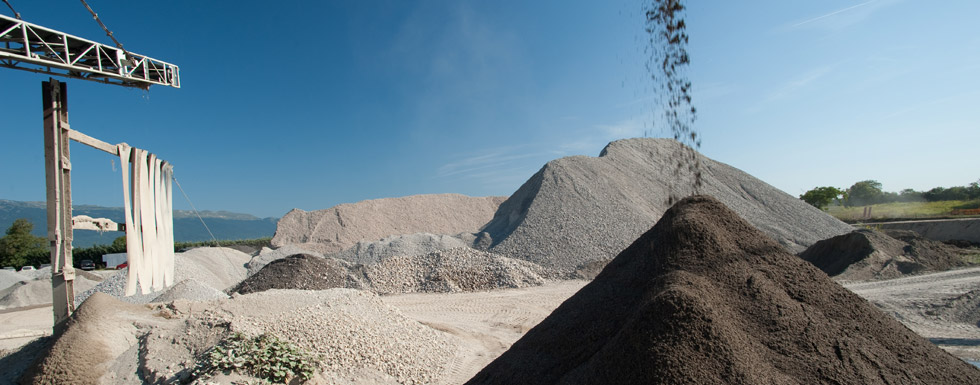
[187,227]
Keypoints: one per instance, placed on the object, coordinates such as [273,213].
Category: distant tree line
[868,192]
[20,248]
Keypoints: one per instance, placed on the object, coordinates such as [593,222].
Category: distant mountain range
[187,226]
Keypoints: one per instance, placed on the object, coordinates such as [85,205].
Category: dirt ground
[920,301]
[487,322]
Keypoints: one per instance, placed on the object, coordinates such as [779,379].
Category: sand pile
[98,331]
[215,267]
[368,252]
[342,226]
[303,272]
[449,271]
[705,298]
[581,209]
[871,255]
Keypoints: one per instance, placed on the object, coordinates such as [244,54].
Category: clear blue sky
[300,104]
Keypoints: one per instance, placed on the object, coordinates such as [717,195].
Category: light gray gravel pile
[9,278]
[267,255]
[353,331]
[37,291]
[215,267]
[449,271]
[580,209]
[342,226]
[191,290]
[368,252]
[35,274]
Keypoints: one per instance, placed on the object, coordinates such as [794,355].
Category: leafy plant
[264,356]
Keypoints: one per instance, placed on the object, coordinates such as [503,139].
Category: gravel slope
[342,226]
[580,209]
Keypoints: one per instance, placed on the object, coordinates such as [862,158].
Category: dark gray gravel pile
[303,272]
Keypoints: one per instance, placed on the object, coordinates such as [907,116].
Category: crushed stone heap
[342,226]
[446,271]
[705,298]
[863,255]
[451,271]
[302,272]
[580,209]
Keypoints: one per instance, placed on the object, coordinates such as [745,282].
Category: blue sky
[312,104]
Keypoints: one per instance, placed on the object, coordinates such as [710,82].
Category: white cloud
[844,17]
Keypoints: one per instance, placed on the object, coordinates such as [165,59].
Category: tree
[909,195]
[974,190]
[19,246]
[821,197]
[864,193]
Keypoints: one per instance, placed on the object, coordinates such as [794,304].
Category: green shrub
[264,356]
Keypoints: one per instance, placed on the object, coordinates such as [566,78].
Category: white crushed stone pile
[354,332]
[449,271]
[267,255]
[215,267]
[342,226]
[191,290]
[581,209]
[37,291]
[368,252]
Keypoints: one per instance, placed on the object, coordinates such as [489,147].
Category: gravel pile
[216,267]
[580,209]
[368,252]
[446,271]
[863,255]
[303,272]
[353,331]
[191,290]
[449,271]
[342,226]
[9,278]
[99,330]
[267,255]
[37,291]
[705,298]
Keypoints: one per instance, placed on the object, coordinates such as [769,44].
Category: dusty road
[928,305]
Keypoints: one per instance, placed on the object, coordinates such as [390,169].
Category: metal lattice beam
[30,47]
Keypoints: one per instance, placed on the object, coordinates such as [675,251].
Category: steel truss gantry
[34,48]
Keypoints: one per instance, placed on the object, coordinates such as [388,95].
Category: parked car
[9,268]
[27,268]
[87,264]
